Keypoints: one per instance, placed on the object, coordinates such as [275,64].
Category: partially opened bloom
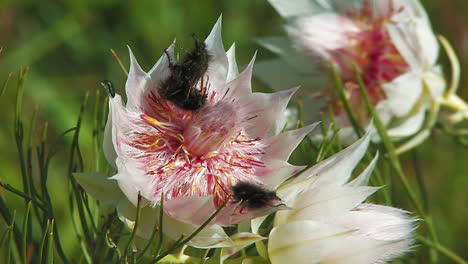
[192,158]
[328,223]
[390,42]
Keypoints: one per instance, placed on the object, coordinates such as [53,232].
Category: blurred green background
[67,45]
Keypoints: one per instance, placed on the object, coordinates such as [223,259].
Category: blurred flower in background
[328,223]
[390,43]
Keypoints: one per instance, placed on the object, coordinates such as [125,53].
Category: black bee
[180,86]
[253,196]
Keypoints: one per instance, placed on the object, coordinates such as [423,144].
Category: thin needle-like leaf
[119,62]
[135,228]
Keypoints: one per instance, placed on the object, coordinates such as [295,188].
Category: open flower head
[328,223]
[193,157]
[390,42]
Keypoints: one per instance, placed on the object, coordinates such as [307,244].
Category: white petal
[135,86]
[218,64]
[266,108]
[277,171]
[409,127]
[132,181]
[320,35]
[435,82]
[194,210]
[303,242]
[281,146]
[380,222]
[241,85]
[158,74]
[363,178]
[107,145]
[100,187]
[313,242]
[233,71]
[416,42]
[338,168]
[326,202]
[403,93]
[427,41]
[295,7]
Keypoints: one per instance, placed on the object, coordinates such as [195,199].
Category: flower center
[210,129]
[374,54]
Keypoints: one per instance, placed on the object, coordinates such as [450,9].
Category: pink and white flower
[328,223]
[390,42]
[193,158]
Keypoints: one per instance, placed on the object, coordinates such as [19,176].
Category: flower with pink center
[193,158]
[389,41]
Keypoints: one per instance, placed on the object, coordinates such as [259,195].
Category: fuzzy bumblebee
[181,86]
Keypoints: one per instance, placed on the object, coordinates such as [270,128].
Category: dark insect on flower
[180,87]
[253,196]
[109,87]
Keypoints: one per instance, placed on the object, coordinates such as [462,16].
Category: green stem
[445,251]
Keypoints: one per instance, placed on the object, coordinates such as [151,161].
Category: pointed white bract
[328,223]
[390,42]
[193,157]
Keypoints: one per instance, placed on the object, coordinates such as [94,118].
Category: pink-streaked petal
[233,71]
[136,83]
[337,169]
[403,93]
[281,146]
[265,108]
[218,65]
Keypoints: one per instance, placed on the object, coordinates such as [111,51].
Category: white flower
[328,223]
[391,43]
